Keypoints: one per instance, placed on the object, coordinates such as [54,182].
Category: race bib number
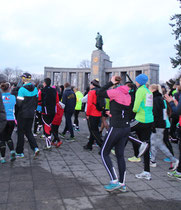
[149,100]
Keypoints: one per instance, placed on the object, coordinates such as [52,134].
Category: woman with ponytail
[9,102]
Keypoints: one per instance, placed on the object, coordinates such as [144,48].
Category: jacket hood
[29,87]
[125,89]
[120,95]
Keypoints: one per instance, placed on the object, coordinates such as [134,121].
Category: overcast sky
[57,33]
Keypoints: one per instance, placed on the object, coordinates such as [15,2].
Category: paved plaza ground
[72,178]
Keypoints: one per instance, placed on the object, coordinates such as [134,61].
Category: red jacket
[58,116]
[91,107]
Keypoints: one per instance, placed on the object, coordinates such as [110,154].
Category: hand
[87,117]
[108,113]
[114,80]
[168,98]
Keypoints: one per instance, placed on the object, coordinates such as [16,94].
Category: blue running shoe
[112,186]
[3,160]
[20,155]
[167,160]
[37,151]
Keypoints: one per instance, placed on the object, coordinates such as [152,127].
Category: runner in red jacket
[56,123]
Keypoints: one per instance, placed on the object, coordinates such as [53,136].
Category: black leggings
[38,121]
[93,125]
[5,138]
[54,131]
[143,131]
[166,140]
[117,138]
[76,115]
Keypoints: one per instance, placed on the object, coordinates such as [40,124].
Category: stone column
[99,62]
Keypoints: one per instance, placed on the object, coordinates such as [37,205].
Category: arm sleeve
[20,97]
[138,100]
[84,99]
[103,90]
[57,97]
[39,97]
[90,102]
[64,99]
[176,109]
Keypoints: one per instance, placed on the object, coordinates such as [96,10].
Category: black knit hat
[26,75]
[95,83]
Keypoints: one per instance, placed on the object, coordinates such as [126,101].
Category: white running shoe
[153,164]
[144,175]
[175,165]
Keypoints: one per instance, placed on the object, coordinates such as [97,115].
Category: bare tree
[84,64]
[9,73]
[37,78]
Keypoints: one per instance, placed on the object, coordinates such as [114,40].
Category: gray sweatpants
[157,143]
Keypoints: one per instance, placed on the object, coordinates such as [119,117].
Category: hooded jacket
[48,98]
[27,100]
[158,110]
[69,99]
[120,101]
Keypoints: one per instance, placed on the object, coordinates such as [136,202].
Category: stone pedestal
[99,62]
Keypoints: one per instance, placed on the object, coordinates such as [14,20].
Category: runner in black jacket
[117,134]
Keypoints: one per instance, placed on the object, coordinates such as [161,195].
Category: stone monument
[99,62]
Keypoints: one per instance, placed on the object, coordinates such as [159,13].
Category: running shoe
[20,155]
[42,136]
[37,151]
[153,164]
[174,174]
[123,188]
[47,148]
[167,160]
[134,159]
[58,144]
[2,160]
[112,186]
[175,165]
[142,148]
[12,156]
[144,175]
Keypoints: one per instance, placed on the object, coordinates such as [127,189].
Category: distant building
[101,68]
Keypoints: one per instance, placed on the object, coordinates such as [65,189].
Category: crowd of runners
[147,115]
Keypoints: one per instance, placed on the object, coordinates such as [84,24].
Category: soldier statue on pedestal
[99,41]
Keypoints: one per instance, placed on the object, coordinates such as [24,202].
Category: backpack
[101,102]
